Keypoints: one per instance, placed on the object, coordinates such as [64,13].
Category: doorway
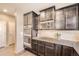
[7,34]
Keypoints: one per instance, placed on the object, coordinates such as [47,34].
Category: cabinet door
[58,50]
[30,18]
[51,24]
[42,16]
[34,47]
[41,49]
[71,18]
[49,49]
[67,51]
[60,19]
[53,13]
[25,20]
[43,25]
[48,14]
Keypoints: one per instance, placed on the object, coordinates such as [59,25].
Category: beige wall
[10,23]
[64,34]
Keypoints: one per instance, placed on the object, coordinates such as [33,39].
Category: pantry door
[2,34]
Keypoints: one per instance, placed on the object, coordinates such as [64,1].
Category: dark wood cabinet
[49,49]
[67,51]
[71,15]
[47,18]
[42,16]
[58,50]
[34,46]
[67,17]
[41,48]
[25,21]
[60,20]
[49,14]
[29,25]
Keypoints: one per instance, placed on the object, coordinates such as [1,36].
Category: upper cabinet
[71,17]
[30,18]
[47,18]
[42,16]
[30,22]
[60,20]
[25,20]
[67,17]
[47,14]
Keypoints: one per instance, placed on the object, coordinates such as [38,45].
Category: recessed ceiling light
[5,10]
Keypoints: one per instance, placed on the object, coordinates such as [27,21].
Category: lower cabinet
[42,48]
[34,46]
[58,50]
[67,51]
[50,50]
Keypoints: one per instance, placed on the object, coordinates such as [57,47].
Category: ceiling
[27,7]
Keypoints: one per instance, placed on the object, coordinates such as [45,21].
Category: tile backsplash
[67,35]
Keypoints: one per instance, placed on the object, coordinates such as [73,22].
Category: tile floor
[9,51]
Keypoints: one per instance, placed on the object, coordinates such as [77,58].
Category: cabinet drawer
[49,44]
[41,42]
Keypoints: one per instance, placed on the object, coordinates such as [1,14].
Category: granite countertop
[72,43]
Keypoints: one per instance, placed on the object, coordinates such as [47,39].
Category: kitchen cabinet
[42,16]
[25,21]
[29,26]
[41,48]
[48,14]
[49,49]
[30,17]
[67,51]
[71,17]
[58,50]
[34,46]
[47,25]
[47,18]
[60,20]
[67,18]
